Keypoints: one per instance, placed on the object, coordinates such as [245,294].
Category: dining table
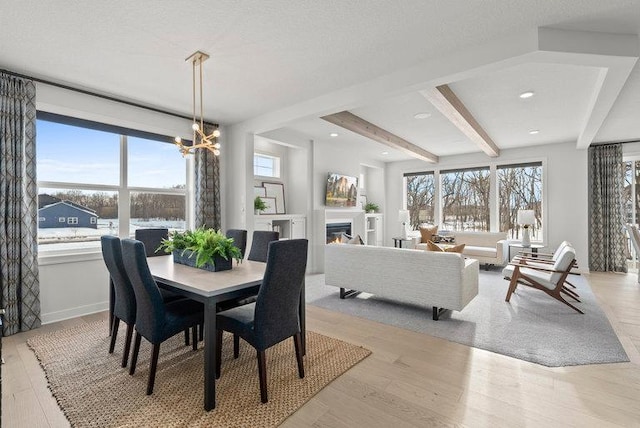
[210,288]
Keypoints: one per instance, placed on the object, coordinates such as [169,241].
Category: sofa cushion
[472,250]
[426,233]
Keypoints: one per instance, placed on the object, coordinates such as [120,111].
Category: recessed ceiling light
[527,94]
[534,132]
[385,153]
[334,134]
[424,115]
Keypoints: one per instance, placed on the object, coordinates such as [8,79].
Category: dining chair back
[275,315]
[260,244]
[124,305]
[239,239]
[152,238]
[156,320]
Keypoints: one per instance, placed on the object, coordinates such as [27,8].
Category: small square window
[41,219]
[72,220]
[61,219]
[94,220]
[266,165]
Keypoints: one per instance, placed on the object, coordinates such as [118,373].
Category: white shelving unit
[290,226]
[374,227]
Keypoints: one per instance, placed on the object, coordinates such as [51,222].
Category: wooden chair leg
[134,356]
[114,333]
[236,346]
[127,345]
[262,372]
[568,293]
[194,336]
[512,285]
[186,337]
[297,342]
[218,353]
[559,297]
[152,369]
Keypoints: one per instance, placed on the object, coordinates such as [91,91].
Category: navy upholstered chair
[156,320]
[152,238]
[260,244]
[274,316]
[239,239]
[124,305]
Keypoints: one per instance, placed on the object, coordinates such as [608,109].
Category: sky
[71,154]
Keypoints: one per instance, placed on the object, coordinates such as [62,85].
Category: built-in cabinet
[374,229]
[290,226]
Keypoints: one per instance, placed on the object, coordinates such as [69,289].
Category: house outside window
[93,174]
[266,165]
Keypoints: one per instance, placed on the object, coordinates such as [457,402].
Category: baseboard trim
[78,311]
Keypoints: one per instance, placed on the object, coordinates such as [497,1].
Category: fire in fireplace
[336,230]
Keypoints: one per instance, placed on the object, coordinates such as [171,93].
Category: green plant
[371,207]
[259,204]
[205,243]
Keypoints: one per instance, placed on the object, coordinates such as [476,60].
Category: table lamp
[403,217]
[526,218]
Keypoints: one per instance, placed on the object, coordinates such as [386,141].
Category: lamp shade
[403,216]
[526,217]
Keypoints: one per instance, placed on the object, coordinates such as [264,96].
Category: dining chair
[156,320]
[274,316]
[239,239]
[549,279]
[260,244]
[152,238]
[124,305]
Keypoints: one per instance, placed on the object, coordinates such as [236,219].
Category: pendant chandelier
[200,139]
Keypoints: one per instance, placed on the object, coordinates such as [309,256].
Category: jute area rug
[93,390]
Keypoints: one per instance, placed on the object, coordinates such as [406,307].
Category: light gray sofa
[441,280]
[490,248]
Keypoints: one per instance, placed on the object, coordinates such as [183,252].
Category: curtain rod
[94,94]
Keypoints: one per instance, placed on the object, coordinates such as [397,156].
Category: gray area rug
[532,327]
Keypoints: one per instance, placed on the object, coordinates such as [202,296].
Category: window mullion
[124,199]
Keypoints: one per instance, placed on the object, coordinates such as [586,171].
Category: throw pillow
[455,249]
[356,240]
[426,233]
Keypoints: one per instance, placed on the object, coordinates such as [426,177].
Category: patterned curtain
[207,187]
[19,281]
[607,241]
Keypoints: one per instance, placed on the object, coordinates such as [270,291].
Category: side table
[534,247]
[397,241]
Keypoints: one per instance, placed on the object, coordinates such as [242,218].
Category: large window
[485,198]
[520,188]
[420,198]
[91,178]
[465,199]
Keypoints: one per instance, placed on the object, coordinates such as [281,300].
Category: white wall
[565,184]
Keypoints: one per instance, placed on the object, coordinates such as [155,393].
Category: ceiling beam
[350,121]
[445,100]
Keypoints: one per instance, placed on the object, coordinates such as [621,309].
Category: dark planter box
[188,257]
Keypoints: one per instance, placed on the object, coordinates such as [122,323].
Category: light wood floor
[416,380]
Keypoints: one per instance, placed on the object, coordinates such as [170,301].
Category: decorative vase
[188,258]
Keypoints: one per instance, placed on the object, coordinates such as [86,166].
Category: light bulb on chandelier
[200,139]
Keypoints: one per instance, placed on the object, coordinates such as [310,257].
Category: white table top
[203,282]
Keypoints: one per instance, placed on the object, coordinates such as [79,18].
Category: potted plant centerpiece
[202,248]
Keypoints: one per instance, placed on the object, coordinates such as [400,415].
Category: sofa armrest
[502,248]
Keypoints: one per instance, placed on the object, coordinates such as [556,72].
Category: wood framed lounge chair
[549,279]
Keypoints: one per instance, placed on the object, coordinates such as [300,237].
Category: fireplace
[336,230]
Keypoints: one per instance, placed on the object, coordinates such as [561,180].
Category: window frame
[277,165]
[122,190]
[493,191]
